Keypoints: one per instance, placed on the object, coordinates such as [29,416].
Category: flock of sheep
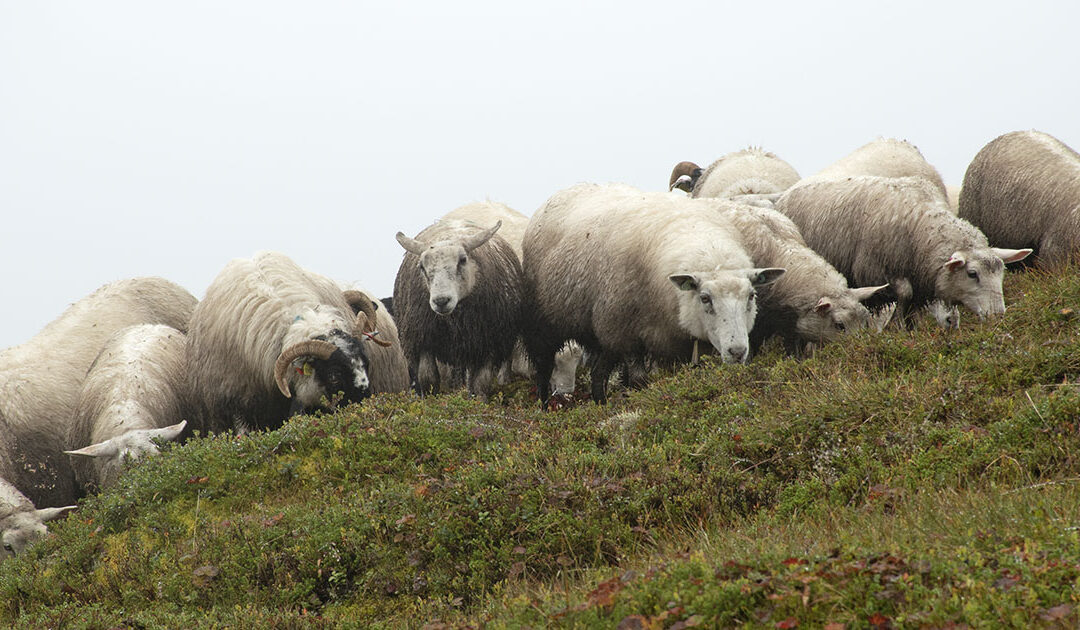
[608,275]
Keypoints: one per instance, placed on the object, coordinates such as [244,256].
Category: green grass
[920,478]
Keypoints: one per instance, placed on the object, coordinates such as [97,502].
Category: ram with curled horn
[270,340]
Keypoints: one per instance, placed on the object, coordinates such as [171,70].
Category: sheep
[630,274]
[388,370]
[684,177]
[20,522]
[458,297]
[1023,190]
[900,231]
[811,303]
[883,157]
[751,171]
[131,396]
[40,380]
[513,231]
[952,194]
[271,340]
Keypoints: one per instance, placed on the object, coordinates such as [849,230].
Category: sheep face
[835,314]
[132,445]
[446,267]
[973,278]
[450,275]
[344,371]
[721,306]
[24,527]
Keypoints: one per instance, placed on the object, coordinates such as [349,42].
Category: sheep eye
[840,326]
[705,299]
[8,547]
[461,260]
[974,275]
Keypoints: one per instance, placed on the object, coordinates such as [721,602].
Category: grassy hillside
[899,479]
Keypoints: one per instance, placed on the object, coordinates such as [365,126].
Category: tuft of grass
[403,512]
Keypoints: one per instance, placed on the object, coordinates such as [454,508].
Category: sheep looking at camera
[457,296]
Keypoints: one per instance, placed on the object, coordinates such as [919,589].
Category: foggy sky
[147,138]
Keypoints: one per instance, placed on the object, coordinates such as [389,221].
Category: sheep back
[883,157]
[1023,190]
[747,172]
[134,383]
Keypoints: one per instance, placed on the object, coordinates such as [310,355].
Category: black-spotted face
[346,371]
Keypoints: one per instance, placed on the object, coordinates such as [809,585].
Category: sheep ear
[477,240]
[823,306]
[168,433]
[863,293]
[48,514]
[1011,255]
[685,281]
[767,275]
[411,245]
[108,448]
[955,262]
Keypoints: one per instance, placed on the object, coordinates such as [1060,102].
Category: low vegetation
[926,478]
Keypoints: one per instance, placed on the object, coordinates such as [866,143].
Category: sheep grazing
[131,396]
[40,380]
[751,171]
[812,302]
[884,157]
[900,231]
[684,177]
[630,274]
[271,340]
[388,369]
[20,522]
[458,298]
[1023,190]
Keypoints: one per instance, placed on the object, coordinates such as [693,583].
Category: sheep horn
[411,245]
[365,328]
[311,348]
[688,169]
[476,240]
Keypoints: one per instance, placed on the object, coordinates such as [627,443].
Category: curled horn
[365,316]
[311,348]
[476,240]
[689,170]
[411,245]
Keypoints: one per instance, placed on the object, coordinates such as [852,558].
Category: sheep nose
[737,353]
[441,302]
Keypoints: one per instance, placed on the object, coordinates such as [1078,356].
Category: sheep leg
[545,364]
[427,376]
[480,381]
[601,371]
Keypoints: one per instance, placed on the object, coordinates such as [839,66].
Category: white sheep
[40,380]
[812,302]
[1023,190]
[270,340]
[751,171]
[131,396]
[631,274]
[883,157]
[20,522]
[900,231]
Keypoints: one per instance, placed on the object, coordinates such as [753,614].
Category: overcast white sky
[152,138]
